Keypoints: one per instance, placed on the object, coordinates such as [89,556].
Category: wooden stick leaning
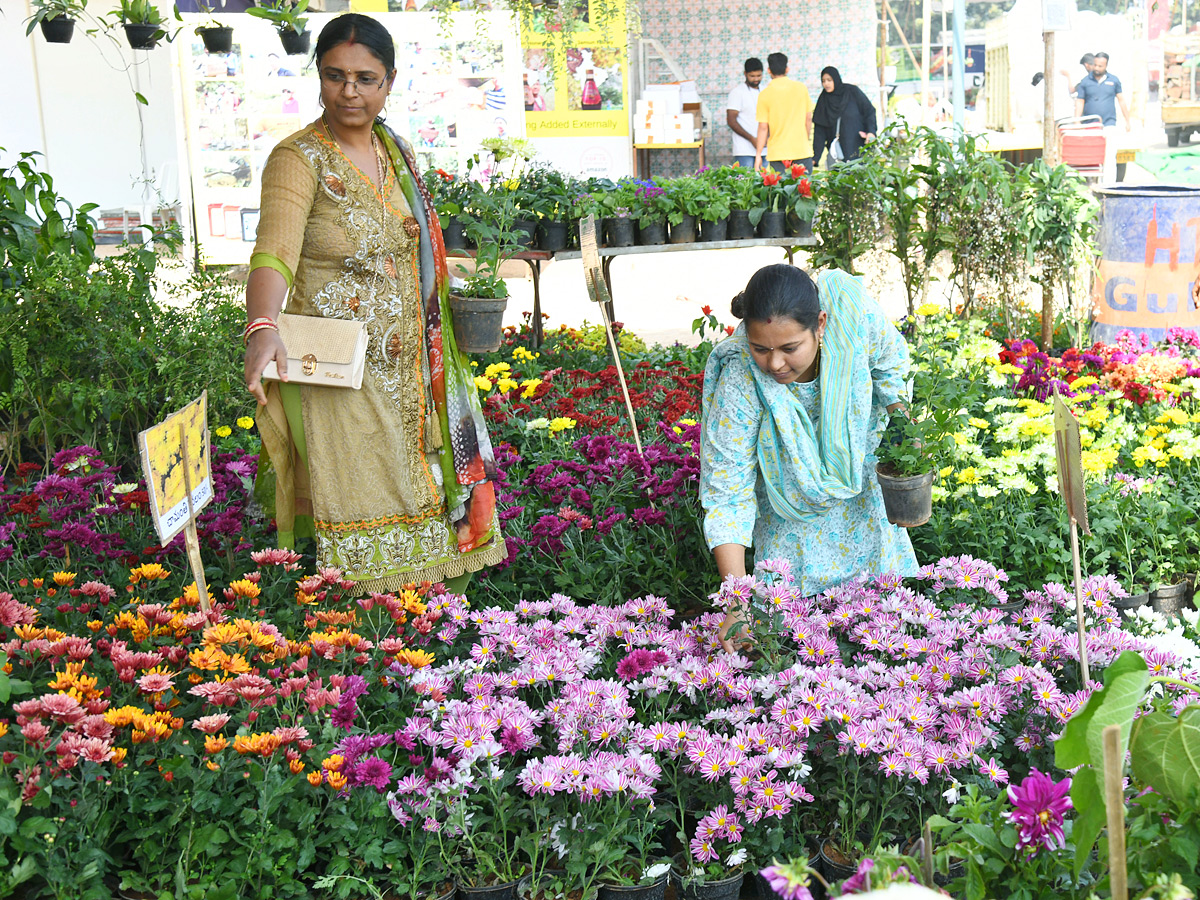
[1070,485]
[598,291]
[1114,806]
[191,539]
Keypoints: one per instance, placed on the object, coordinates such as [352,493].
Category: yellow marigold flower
[245,422]
[148,572]
[504,385]
[337,780]
[412,603]
[120,717]
[215,743]
[928,309]
[961,439]
[223,431]
[418,659]
[561,423]
[969,475]
[981,424]
[315,778]
[296,766]
[482,383]
[245,589]
[64,681]
[496,369]
[64,579]
[333,763]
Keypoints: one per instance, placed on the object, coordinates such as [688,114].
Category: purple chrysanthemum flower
[859,882]
[789,882]
[372,771]
[1039,804]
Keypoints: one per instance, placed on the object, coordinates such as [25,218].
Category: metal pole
[960,97]
[926,15]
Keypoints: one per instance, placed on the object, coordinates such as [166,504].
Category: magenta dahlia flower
[1039,804]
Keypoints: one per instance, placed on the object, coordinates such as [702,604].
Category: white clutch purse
[326,352]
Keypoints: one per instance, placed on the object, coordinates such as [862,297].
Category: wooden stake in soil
[1070,486]
[1114,806]
[598,291]
[191,539]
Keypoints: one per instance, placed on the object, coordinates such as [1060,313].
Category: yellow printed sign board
[163,453]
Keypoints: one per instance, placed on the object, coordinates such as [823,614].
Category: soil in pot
[141,36]
[58,30]
[294,42]
[525,230]
[685,231]
[453,235]
[740,228]
[618,232]
[501,891]
[714,231]
[654,891]
[835,865]
[217,40]
[551,236]
[908,500]
[1168,599]
[652,232]
[773,225]
[478,323]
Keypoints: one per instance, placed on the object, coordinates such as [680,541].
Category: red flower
[445,175]
[787,163]
[804,187]
[798,171]
[770,178]
[707,310]
[729,329]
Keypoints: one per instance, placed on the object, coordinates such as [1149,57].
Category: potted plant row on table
[714,204]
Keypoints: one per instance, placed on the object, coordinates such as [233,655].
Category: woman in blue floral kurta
[795,403]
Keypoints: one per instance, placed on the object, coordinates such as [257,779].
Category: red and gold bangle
[260,324]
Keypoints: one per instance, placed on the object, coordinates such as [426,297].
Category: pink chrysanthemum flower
[1039,804]
[789,882]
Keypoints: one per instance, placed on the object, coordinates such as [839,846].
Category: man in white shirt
[741,114]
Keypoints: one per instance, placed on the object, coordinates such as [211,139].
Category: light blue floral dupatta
[806,469]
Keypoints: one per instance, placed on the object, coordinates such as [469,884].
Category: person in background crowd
[785,115]
[1099,94]
[741,114]
[1087,61]
[843,114]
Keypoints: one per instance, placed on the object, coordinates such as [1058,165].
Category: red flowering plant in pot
[769,212]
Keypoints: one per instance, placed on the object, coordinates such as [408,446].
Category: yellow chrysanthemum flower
[969,475]
[561,423]
[981,424]
[483,383]
[245,422]
[497,369]
[504,385]
[223,431]
[928,309]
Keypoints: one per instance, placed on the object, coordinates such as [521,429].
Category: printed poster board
[450,93]
[163,467]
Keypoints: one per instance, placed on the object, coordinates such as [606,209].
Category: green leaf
[1073,748]
[1090,818]
[985,836]
[1166,754]
[141,98]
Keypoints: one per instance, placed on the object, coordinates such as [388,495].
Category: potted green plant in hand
[478,306]
[290,23]
[921,432]
[217,38]
[56,18]
[143,23]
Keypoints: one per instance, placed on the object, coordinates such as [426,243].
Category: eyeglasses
[366,83]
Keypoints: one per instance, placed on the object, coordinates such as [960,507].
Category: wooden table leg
[535,271]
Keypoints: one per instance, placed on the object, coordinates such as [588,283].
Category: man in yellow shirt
[785,114]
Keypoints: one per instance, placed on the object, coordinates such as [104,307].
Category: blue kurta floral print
[790,469]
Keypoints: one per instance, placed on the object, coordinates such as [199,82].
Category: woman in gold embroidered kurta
[343,226]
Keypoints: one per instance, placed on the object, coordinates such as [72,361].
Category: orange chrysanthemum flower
[215,743]
[261,744]
[148,572]
[64,579]
[418,659]
[333,763]
[336,780]
[315,778]
[244,589]
[296,765]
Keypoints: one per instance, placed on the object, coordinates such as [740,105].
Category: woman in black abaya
[843,113]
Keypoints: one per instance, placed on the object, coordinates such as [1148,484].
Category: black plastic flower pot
[685,231]
[833,866]
[714,231]
[453,235]
[525,230]
[551,236]
[1168,599]
[141,36]
[505,891]
[907,499]
[652,232]
[478,323]
[217,40]
[1127,607]
[618,232]
[58,30]
[740,228]
[655,891]
[725,889]
[798,227]
[294,43]
[773,225]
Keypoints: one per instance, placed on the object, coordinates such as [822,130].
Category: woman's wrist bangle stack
[262,323]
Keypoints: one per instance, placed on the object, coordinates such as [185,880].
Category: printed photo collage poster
[450,93]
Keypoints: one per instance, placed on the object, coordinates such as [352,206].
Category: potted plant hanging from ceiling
[143,23]
[290,22]
[217,38]
[923,433]
[56,18]
[478,307]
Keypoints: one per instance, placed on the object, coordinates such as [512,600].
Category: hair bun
[738,306]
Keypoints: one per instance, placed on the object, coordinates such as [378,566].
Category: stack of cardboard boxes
[667,114]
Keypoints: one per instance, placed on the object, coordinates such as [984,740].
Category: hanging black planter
[142,36]
[216,40]
[294,43]
[58,30]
